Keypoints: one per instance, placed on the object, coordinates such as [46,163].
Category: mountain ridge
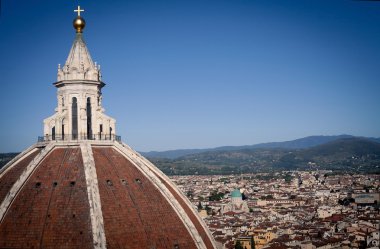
[300,143]
[351,154]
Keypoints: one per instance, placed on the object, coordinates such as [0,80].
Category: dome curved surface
[94,195]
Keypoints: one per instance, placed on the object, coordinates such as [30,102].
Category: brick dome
[93,194]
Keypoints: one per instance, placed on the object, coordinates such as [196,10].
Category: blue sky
[196,73]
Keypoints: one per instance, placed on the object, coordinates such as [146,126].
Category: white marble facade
[79,88]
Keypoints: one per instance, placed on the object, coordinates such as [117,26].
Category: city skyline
[198,75]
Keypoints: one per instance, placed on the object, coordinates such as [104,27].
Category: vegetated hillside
[172,153]
[377,140]
[344,154]
[220,162]
[358,147]
[302,143]
[349,154]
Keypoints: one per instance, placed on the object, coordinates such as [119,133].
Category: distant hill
[301,143]
[346,154]
[357,147]
[173,153]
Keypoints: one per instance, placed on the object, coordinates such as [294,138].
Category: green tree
[288,178]
[216,196]
[238,245]
[200,206]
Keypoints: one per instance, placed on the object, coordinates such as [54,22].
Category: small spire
[79,65]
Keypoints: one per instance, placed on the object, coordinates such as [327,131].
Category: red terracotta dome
[90,194]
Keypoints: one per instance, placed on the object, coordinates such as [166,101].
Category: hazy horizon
[227,145]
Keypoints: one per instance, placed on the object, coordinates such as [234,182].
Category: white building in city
[237,204]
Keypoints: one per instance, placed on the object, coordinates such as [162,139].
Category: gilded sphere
[79,24]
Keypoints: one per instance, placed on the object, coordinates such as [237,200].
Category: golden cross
[78,10]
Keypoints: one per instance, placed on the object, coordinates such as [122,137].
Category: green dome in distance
[236,193]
